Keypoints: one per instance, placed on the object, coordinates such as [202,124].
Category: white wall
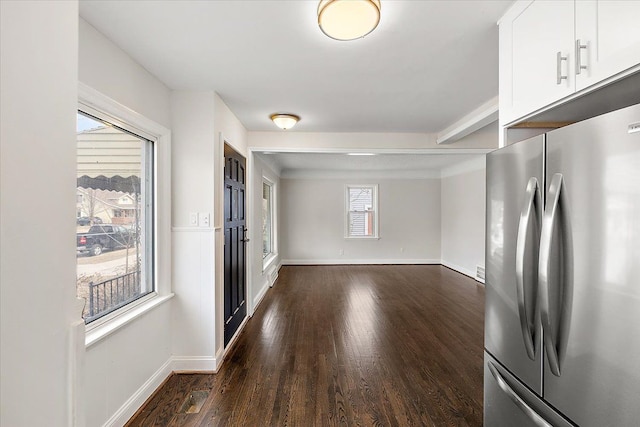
[109,70]
[463,216]
[194,158]
[126,365]
[228,124]
[313,222]
[38,100]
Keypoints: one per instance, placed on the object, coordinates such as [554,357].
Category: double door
[563,261]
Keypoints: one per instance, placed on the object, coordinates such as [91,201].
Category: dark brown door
[235,309]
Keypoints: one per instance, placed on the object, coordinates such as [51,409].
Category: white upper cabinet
[550,50]
[542,53]
[608,33]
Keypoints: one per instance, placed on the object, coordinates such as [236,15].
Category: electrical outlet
[401,250]
[193,219]
[203,219]
[341,252]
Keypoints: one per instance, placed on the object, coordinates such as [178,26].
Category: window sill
[266,262]
[96,333]
[362,237]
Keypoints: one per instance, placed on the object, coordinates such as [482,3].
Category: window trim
[96,103]
[269,184]
[376,212]
[271,257]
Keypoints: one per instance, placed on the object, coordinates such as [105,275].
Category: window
[362,211]
[267,219]
[114,205]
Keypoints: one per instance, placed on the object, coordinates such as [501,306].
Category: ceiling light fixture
[348,19]
[285,121]
[361,154]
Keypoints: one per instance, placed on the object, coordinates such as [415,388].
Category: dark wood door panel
[235,309]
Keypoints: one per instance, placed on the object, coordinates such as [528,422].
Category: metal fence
[109,295]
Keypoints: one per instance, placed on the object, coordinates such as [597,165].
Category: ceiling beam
[477,119]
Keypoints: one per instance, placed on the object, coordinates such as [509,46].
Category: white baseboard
[138,398]
[357,261]
[181,364]
[175,364]
[258,299]
[460,269]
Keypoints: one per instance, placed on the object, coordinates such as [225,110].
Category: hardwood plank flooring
[366,345]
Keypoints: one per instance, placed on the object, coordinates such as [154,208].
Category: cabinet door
[540,32]
[609,32]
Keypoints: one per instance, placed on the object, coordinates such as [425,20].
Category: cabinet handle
[579,47]
[559,59]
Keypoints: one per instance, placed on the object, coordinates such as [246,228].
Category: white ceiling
[426,65]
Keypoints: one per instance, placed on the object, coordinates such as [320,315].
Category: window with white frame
[115,215]
[267,219]
[362,211]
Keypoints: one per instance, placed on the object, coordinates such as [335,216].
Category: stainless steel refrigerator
[562,325]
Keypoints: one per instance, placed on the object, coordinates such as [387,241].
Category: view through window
[361,211]
[114,216]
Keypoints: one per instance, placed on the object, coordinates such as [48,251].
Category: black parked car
[85,220]
[105,236]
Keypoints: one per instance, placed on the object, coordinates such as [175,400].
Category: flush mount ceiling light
[348,19]
[285,121]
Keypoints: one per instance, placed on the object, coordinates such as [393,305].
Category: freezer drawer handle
[532,201]
[554,331]
[504,386]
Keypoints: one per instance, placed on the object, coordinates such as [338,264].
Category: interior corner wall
[313,217]
[463,218]
[118,367]
[38,100]
[193,192]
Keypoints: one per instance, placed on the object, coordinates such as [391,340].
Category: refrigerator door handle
[506,388]
[531,201]
[544,272]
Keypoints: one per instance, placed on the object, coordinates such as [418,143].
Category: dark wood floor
[346,345]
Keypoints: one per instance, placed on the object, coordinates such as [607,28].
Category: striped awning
[109,159]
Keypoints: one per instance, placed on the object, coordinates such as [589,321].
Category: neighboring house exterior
[113,207]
